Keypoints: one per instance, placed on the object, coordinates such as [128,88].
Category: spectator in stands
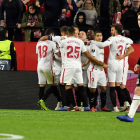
[106,10]
[36,2]
[79,3]
[53,10]
[68,16]
[125,5]
[81,22]
[90,12]
[13,10]
[129,21]
[32,19]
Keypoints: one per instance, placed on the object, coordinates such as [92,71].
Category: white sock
[134,106]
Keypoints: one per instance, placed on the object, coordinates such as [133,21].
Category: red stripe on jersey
[123,73]
[63,76]
[93,67]
[90,78]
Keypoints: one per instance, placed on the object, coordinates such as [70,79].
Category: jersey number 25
[76,51]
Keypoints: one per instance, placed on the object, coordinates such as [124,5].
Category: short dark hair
[3,32]
[119,28]
[71,30]
[64,29]
[75,26]
[138,13]
[98,31]
[49,31]
[113,25]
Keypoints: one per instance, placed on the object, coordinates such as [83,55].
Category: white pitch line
[10,136]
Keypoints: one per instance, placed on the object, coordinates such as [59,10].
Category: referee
[7,52]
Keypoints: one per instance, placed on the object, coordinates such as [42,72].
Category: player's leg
[123,87]
[68,77]
[111,72]
[123,84]
[63,92]
[85,83]
[134,105]
[92,98]
[56,93]
[119,78]
[95,103]
[92,77]
[77,95]
[42,83]
[49,78]
[79,80]
[102,83]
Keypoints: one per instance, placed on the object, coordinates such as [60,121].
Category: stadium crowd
[27,19]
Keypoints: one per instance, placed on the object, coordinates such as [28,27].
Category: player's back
[117,47]
[44,50]
[84,58]
[72,48]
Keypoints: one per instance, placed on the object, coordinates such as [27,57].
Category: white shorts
[96,78]
[85,78]
[70,74]
[125,71]
[56,74]
[45,75]
[115,73]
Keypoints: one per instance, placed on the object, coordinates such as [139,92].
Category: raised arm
[101,44]
[43,38]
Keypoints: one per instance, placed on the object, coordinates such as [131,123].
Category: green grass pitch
[53,125]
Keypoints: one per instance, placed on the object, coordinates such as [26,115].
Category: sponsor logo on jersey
[93,50]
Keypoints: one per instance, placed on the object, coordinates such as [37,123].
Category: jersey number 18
[42,51]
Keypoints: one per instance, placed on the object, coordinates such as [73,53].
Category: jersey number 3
[76,51]
[43,51]
[120,50]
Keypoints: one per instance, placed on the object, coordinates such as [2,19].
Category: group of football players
[74,62]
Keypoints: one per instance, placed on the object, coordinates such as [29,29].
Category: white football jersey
[98,53]
[44,49]
[84,58]
[73,47]
[117,46]
[58,60]
[126,58]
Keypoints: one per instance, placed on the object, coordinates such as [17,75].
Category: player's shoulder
[111,38]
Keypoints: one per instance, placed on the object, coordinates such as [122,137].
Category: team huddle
[76,65]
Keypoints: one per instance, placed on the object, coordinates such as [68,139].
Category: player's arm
[43,38]
[94,60]
[58,54]
[129,51]
[84,64]
[101,44]
[56,51]
[13,57]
